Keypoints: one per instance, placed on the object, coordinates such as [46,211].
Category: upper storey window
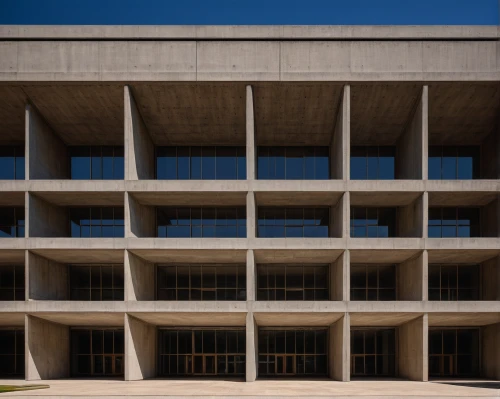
[293,222]
[97,222]
[453,162]
[11,222]
[373,163]
[293,163]
[11,163]
[373,222]
[201,163]
[454,222]
[96,162]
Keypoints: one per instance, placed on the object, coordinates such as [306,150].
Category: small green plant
[13,388]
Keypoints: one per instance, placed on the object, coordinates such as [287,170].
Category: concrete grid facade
[143,87]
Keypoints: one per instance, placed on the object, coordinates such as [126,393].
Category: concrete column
[47,279]
[410,219]
[250,135]
[251,215]
[413,354]
[339,352]
[346,216]
[490,276]
[339,278]
[139,278]
[340,145]
[490,351]
[412,278]
[411,148]
[252,347]
[46,154]
[425,214]
[251,276]
[46,219]
[140,349]
[140,220]
[47,349]
[139,148]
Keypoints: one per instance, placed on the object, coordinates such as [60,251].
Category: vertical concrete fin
[48,279]
[139,278]
[340,142]
[413,349]
[46,219]
[490,276]
[251,348]
[411,278]
[140,349]
[251,215]
[250,134]
[46,154]
[140,220]
[139,148]
[490,351]
[251,276]
[47,349]
[339,349]
[339,279]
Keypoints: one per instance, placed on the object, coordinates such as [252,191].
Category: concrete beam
[413,349]
[47,349]
[139,278]
[46,154]
[252,348]
[140,349]
[339,351]
[139,148]
[46,279]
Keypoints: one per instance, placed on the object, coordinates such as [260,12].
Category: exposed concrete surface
[413,349]
[140,349]
[47,279]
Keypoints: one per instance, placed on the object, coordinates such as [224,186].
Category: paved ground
[261,388]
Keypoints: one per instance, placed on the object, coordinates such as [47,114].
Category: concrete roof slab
[82,255]
[193,319]
[296,319]
[463,319]
[197,198]
[87,319]
[191,255]
[293,256]
[297,198]
[461,256]
[381,319]
[82,198]
[368,198]
[461,198]
[382,256]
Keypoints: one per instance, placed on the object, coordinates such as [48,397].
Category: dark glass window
[373,352]
[454,352]
[293,222]
[197,352]
[12,283]
[11,163]
[96,162]
[453,282]
[292,282]
[96,282]
[373,163]
[453,162]
[290,352]
[373,222]
[97,222]
[371,282]
[11,221]
[223,222]
[201,282]
[201,163]
[11,353]
[454,222]
[293,163]
[97,352]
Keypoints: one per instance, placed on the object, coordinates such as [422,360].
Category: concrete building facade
[410,292]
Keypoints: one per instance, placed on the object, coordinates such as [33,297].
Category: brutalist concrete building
[249,202]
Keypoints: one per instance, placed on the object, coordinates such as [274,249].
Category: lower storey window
[12,283]
[454,282]
[97,352]
[288,352]
[96,282]
[97,222]
[454,352]
[454,222]
[373,222]
[292,282]
[11,353]
[372,282]
[191,352]
[278,222]
[373,352]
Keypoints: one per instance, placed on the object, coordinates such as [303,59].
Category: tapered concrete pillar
[339,351]
[46,154]
[252,357]
[139,148]
[47,349]
[47,279]
[339,278]
[337,218]
[490,276]
[410,219]
[412,278]
[251,215]
[46,219]
[411,148]
[250,135]
[139,278]
[413,354]
[140,220]
[140,349]
[251,276]
[340,147]
[490,351]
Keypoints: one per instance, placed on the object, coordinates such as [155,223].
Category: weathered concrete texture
[410,157]
[339,278]
[337,226]
[140,349]
[412,276]
[252,348]
[45,151]
[46,219]
[47,349]
[409,219]
[250,135]
[251,276]
[340,147]
[490,351]
[339,351]
[490,279]
[251,210]
[139,278]
[47,279]
[413,349]
[140,220]
[139,148]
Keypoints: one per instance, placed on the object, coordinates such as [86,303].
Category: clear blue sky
[251,12]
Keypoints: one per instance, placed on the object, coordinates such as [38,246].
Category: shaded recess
[12,102]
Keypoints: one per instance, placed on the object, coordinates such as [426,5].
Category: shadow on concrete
[471,384]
